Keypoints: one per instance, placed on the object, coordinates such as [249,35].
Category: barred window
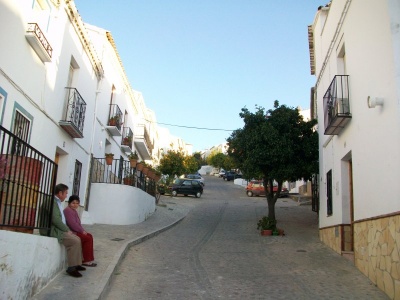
[21,126]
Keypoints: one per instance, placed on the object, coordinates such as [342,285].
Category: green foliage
[266,223]
[277,145]
[217,160]
[177,163]
[191,165]
[172,163]
[220,160]
[199,159]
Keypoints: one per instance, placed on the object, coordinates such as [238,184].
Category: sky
[198,63]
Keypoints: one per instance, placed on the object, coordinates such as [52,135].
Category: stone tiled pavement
[112,242]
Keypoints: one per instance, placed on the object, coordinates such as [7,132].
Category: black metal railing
[127,137]
[75,110]
[27,180]
[336,105]
[115,116]
[35,29]
[121,172]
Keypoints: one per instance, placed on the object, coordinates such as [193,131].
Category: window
[77,178]
[21,126]
[329,192]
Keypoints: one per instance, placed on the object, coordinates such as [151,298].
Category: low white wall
[27,263]
[117,204]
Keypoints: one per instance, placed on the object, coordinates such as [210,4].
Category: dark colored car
[228,176]
[186,187]
[197,177]
[256,188]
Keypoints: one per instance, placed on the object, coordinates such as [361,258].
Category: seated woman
[74,223]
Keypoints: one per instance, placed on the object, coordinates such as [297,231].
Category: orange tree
[172,163]
[277,145]
[177,163]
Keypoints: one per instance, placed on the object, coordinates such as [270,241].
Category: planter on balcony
[139,166]
[109,158]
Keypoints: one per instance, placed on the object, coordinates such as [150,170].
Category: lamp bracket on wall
[373,102]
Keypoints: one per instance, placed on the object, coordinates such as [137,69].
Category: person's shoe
[92,264]
[74,273]
[80,268]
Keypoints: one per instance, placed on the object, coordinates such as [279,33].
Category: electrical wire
[192,127]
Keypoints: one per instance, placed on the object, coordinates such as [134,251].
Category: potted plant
[129,179]
[266,225]
[133,157]
[157,175]
[109,158]
[140,166]
[146,168]
[127,141]
[114,121]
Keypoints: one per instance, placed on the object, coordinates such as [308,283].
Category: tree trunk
[271,209]
[271,199]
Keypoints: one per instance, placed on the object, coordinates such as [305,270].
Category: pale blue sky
[197,63]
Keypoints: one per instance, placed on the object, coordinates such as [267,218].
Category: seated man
[60,230]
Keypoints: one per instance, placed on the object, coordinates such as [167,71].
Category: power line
[192,127]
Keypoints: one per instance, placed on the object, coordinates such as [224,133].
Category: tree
[277,145]
[172,163]
[191,164]
[200,160]
[217,160]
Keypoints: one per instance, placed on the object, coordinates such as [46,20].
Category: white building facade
[62,81]
[355,56]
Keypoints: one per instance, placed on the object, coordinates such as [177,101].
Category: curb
[102,287]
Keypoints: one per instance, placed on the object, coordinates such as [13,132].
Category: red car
[256,188]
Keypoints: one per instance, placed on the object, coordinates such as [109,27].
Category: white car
[221,173]
[196,177]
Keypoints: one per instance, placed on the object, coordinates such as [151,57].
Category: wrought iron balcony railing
[121,172]
[74,118]
[127,139]
[336,105]
[114,123]
[38,41]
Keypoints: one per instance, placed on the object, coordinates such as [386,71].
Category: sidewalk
[110,245]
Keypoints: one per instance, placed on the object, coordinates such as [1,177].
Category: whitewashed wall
[371,138]
[24,273]
[116,204]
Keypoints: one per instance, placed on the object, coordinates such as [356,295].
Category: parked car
[221,173]
[231,176]
[186,187]
[256,188]
[196,177]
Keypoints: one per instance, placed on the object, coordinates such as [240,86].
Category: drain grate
[117,239]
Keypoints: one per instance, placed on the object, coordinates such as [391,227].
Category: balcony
[114,120]
[127,138]
[75,114]
[142,142]
[38,42]
[336,105]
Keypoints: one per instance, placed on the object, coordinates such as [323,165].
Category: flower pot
[139,167]
[133,162]
[128,181]
[150,174]
[266,232]
[145,170]
[109,160]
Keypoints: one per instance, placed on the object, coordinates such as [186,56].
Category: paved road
[217,253]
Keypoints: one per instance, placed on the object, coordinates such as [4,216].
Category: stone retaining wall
[376,250]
